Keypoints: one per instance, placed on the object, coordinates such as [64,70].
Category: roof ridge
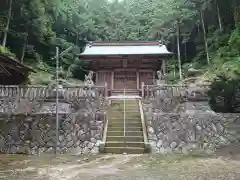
[126,43]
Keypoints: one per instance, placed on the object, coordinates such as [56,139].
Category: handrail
[144,127]
[102,144]
[124,116]
[105,127]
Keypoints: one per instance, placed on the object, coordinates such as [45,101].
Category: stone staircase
[133,141]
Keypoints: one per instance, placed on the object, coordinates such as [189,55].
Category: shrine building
[126,65]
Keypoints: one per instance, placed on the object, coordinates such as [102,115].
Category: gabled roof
[125,48]
[7,62]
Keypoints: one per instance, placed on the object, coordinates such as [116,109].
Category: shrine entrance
[124,67]
[125,79]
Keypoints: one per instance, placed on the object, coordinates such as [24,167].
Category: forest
[203,34]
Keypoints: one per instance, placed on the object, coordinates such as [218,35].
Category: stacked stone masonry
[183,132]
[186,122]
[36,134]
[28,125]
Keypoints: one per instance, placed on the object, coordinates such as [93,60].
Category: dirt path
[123,167]
[106,165]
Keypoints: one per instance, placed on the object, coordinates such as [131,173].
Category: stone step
[126,138]
[136,128]
[122,110]
[122,120]
[121,116]
[127,133]
[131,108]
[127,124]
[126,100]
[129,116]
[129,105]
[133,141]
[134,118]
[121,150]
[127,112]
[124,144]
[119,111]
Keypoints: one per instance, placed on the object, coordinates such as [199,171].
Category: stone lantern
[49,104]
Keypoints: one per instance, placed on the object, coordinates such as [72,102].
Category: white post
[124,114]
[138,80]
[112,80]
[57,120]
[57,89]
[142,89]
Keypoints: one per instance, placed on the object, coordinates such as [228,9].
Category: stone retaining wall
[36,134]
[183,132]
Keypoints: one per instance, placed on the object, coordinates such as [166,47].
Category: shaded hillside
[203,34]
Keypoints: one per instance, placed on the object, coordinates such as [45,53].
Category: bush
[77,69]
[7,52]
[224,95]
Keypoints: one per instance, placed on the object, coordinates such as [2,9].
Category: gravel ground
[119,167]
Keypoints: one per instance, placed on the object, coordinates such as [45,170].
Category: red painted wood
[125,79]
[121,72]
[146,77]
[104,77]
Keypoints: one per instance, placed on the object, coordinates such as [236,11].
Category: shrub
[224,95]
[6,52]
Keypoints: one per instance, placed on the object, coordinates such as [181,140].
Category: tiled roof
[13,63]
[125,48]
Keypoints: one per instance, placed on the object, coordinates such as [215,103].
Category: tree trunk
[173,47]
[174,70]
[179,53]
[219,18]
[24,47]
[205,37]
[236,12]
[77,39]
[8,23]
[185,51]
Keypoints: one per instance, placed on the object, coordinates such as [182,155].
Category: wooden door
[130,80]
[104,76]
[119,80]
[125,79]
[147,77]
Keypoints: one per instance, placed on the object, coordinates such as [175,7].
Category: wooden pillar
[154,77]
[112,80]
[96,78]
[142,84]
[163,68]
[106,89]
[137,79]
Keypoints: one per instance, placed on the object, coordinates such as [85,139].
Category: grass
[44,78]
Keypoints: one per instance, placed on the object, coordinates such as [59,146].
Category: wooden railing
[173,90]
[13,98]
[144,127]
[166,97]
[104,136]
[41,92]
